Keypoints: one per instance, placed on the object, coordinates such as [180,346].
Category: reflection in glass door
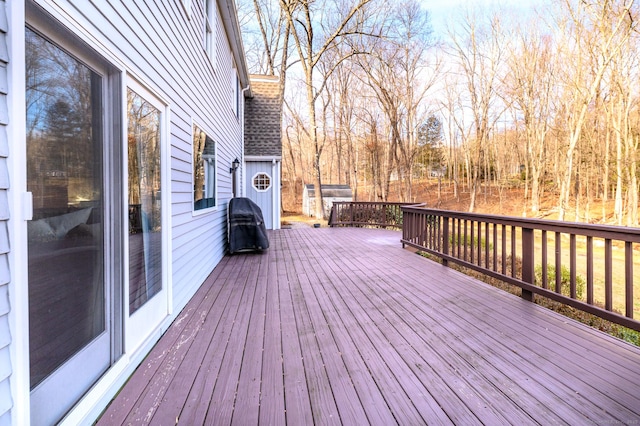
[145,212]
[68,327]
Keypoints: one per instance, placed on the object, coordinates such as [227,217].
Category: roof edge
[232,28]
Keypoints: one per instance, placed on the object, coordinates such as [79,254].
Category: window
[186,4]
[204,170]
[237,97]
[235,91]
[211,17]
[65,174]
[261,182]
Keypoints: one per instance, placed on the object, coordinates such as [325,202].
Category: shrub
[394,216]
[468,242]
[565,280]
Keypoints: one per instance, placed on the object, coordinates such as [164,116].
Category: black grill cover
[246,226]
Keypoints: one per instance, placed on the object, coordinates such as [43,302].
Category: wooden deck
[343,326]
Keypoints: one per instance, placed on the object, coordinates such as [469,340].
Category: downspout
[242,182]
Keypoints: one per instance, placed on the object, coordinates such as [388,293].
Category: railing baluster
[465,240]
[495,247]
[590,270]
[453,236]
[572,264]
[472,243]
[439,227]
[445,239]
[628,278]
[513,251]
[458,244]
[558,263]
[486,245]
[504,249]
[425,231]
[351,212]
[545,260]
[479,243]
[608,281]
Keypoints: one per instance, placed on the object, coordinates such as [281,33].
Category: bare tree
[529,88]
[596,31]
[401,68]
[315,33]
[479,52]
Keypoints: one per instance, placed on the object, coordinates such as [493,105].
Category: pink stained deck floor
[343,326]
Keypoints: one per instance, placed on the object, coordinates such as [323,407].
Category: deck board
[343,326]
[272,402]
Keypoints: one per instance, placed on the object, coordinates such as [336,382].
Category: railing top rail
[377,203]
[594,230]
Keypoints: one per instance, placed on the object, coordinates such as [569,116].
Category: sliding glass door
[70,300]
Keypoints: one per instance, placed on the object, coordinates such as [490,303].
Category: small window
[261,182]
[186,4]
[211,17]
[204,170]
[235,91]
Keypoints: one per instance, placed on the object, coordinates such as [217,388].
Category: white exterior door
[260,188]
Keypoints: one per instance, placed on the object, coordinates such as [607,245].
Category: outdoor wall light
[234,165]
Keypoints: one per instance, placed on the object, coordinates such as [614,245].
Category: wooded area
[545,101]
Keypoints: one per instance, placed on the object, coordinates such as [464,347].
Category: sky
[442,10]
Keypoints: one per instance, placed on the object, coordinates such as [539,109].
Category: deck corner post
[528,270]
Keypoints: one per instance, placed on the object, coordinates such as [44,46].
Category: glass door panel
[67,291]
[145,209]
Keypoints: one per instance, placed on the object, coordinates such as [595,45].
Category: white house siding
[6,400]
[161,45]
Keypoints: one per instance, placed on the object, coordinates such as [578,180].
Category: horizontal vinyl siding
[6,400]
[161,46]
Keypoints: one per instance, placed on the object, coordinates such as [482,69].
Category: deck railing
[366,213]
[588,267]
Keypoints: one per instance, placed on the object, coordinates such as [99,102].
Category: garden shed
[330,194]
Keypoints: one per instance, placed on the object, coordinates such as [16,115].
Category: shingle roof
[262,117]
[330,191]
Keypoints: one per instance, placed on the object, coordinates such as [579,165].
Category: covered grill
[247,230]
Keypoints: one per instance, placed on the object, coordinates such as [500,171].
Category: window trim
[215,207]
[253,182]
